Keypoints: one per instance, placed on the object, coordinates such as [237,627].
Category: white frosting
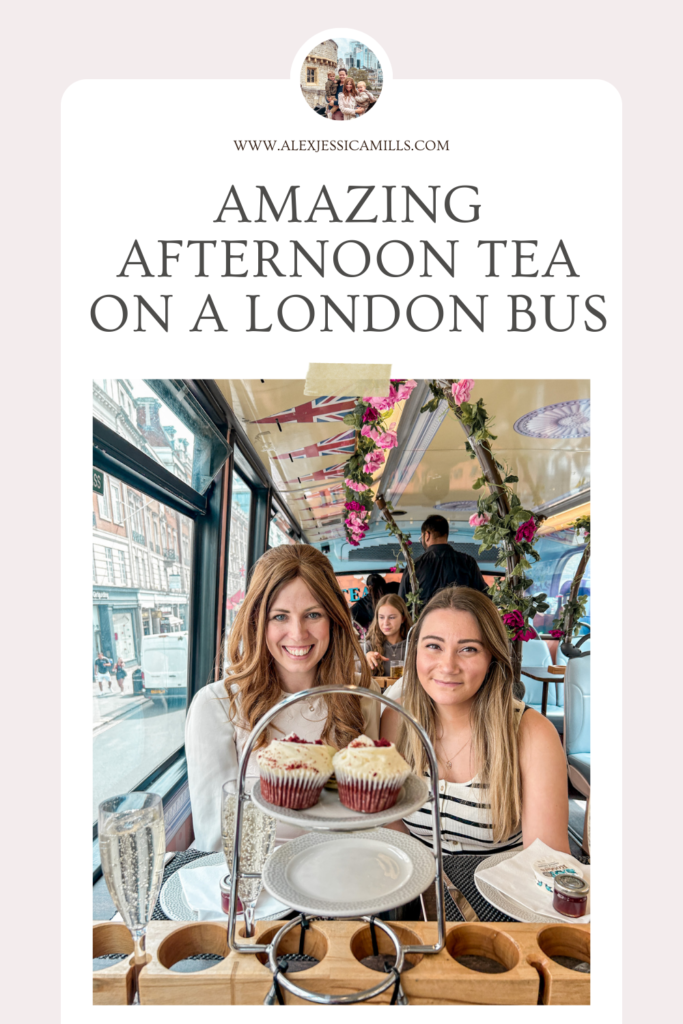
[364,760]
[280,756]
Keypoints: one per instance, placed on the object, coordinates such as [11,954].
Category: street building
[142,550]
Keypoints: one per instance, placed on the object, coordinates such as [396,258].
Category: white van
[164,665]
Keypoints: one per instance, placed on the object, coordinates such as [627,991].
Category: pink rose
[373,461]
[526,531]
[480,519]
[352,485]
[405,390]
[388,439]
[556,634]
[370,415]
[371,432]
[462,391]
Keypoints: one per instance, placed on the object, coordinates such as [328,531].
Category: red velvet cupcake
[294,771]
[370,774]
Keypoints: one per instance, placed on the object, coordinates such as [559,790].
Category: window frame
[114,455]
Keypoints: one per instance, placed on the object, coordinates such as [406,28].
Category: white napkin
[515,877]
[201,888]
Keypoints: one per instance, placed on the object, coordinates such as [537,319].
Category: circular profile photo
[341,79]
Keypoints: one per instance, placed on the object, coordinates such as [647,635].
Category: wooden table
[546,676]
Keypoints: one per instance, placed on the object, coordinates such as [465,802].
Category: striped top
[465,818]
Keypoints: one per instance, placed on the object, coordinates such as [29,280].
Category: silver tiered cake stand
[280,977]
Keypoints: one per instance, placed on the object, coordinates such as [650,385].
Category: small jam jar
[225,885]
[570,895]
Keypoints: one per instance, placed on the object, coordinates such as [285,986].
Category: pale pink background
[49,45]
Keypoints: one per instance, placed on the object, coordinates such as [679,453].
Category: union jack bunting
[341,444]
[325,496]
[327,409]
[324,512]
[321,475]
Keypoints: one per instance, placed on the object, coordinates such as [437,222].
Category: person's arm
[545,805]
[211,760]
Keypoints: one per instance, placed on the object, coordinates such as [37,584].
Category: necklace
[449,762]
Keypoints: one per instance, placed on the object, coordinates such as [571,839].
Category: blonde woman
[503,778]
[347,100]
[293,632]
[386,639]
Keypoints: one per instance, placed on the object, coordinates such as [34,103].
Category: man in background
[441,565]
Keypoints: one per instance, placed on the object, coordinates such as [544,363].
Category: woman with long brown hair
[347,100]
[293,632]
[386,639]
[502,773]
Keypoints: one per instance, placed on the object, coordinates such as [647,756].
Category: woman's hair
[376,637]
[377,587]
[492,716]
[352,90]
[251,664]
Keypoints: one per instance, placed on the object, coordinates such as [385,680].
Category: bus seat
[562,659]
[536,654]
[577,733]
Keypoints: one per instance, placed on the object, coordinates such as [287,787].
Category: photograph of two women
[350,637]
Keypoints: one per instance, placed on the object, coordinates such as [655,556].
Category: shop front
[116,627]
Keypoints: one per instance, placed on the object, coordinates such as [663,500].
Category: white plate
[174,904]
[333,875]
[330,813]
[505,903]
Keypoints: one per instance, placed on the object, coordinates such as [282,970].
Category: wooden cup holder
[315,944]
[113,984]
[525,952]
[192,940]
[559,982]
[477,940]
[362,947]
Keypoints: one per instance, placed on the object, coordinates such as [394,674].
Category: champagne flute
[132,847]
[257,841]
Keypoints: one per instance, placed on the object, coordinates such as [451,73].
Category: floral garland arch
[500,520]
[375,435]
[568,623]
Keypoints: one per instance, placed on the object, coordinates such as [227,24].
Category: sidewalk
[108,706]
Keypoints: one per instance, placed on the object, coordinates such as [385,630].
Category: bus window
[238,558]
[280,530]
[141,590]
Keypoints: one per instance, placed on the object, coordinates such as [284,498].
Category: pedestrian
[121,673]
[102,667]
[441,565]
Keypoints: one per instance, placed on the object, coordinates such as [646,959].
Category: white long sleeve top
[347,105]
[214,745]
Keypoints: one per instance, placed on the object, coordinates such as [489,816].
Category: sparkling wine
[132,847]
[258,837]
